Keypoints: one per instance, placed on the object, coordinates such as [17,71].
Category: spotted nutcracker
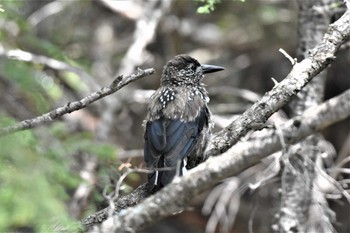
[177,126]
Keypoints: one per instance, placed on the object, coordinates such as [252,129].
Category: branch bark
[262,146]
[299,169]
[318,59]
[118,83]
[175,196]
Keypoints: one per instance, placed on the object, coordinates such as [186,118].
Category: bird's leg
[156,179]
[178,168]
[184,170]
[181,168]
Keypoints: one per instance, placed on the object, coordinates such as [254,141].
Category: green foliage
[337,4]
[9,16]
[81,142]
[32,182]
[29,82]
[268,14]
[44,47]
[209,5]
[36,175]
[74,81]
[39,169]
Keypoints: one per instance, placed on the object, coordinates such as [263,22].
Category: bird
[177,124]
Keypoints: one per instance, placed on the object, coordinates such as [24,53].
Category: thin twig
[111,198]
[116,85]
[293,61]
[122,178]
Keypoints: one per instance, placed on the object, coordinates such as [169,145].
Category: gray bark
[174,197]
[299,170]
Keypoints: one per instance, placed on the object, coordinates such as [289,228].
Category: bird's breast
[177,103]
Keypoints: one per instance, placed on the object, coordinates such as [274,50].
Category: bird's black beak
[211,68]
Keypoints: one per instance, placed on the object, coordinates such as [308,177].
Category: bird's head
[184,70]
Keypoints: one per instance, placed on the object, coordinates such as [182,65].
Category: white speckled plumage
[177,126]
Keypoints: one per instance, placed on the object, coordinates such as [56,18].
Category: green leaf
[203,10]
[209,6]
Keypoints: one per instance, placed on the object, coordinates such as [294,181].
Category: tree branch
[299,171]
[301,74]
[118,83]
[175,196]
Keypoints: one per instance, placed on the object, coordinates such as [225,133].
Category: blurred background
[53,52]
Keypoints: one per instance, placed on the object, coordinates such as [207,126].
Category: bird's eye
[194,67]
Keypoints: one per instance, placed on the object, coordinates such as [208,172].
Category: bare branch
[176,195]
[299,172]
[124,202]
[49,9]
[111,198]
[301,74]
[172,198]
[116,85]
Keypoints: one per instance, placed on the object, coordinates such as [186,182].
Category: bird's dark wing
[167,142]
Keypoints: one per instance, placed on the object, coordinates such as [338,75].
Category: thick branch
[116,85]
[312,120]
[174,197]
[301,74]
[299,171]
